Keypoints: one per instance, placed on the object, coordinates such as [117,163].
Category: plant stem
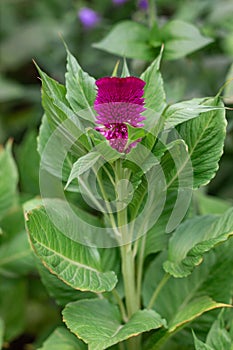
[152,13]
[140,268]
[158,289]
[121,305]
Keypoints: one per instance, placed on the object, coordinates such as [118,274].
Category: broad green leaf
[183,111]
[1,332]
[58,290]
[54,100]
[181,301]
[77,265]
[154,94]
[98,323]
[62,339]
[128,39]
[204,137]
[28,158]
[80,86]
[181,38]
[210,204]
[12,290]
[195,237]
[16,256]
[9,179]
[82,165]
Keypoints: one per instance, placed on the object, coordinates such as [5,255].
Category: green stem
[152,13]
[140,268]
[158,289]
[121,305]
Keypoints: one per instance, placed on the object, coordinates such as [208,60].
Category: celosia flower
[119,102]
[88,17]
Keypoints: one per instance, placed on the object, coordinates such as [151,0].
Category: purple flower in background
[143,4]
[119,2]
[119,101]
[88,17]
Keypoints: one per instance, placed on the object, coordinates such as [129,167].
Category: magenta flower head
[88,17]
[119,102]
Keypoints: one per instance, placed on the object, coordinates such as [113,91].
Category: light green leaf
[77,265]
[154,94]
[194,309]
[204,137]
[128,39]
[183,111]
[16,256]
[45,132]
[9,179]
[54,100]
[135,133]
[82,165]
[81,89]
[98,323]
[195,237]
[125,70]
[181,38]
[62,339]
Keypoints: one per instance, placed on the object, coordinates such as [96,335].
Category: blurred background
[35,30]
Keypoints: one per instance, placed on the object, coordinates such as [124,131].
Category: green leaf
[199,345]
[154,94]
[58,290]
[183,111]
[13,317]
[183,300]
[62,339]
[204,137]
[82,165]
[9,179]
[128,39]
[125,70]
[54,100]
[218,338]
[181,38]
[98,323]
[210,204]
[81,89]
[195,237]
[77,265]
[135,133]
[16,256]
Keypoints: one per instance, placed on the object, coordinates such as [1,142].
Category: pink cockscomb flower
[119,102]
